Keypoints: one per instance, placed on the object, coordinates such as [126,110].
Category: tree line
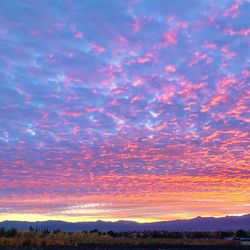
[36,232]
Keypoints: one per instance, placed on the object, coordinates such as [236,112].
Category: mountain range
[226,223]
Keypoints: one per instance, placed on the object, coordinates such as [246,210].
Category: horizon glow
[124,110]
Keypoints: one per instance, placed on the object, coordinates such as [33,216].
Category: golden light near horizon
[124,110]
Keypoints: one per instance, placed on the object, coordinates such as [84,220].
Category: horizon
[124,110]
[140,222]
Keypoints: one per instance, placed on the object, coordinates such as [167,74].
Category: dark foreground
[236,247]
[147,240]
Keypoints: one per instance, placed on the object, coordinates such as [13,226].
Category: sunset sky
[124,109]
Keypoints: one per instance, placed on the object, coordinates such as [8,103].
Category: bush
[11,233]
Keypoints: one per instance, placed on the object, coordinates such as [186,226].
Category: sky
[124,110]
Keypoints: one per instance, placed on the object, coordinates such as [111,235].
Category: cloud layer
[124,109]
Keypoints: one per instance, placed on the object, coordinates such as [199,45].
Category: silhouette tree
[111,233]
[11,233]
[2,231]
[241,234]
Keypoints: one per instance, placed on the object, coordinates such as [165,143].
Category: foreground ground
[235,247]
[46,240]
[119,243]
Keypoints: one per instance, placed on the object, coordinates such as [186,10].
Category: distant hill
[196,224]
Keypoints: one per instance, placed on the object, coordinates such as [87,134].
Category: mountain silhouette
[226,223]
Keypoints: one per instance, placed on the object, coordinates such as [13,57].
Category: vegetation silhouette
[45,238]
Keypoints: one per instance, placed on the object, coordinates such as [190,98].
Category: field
[117,243]
[236,247]
[95,240]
